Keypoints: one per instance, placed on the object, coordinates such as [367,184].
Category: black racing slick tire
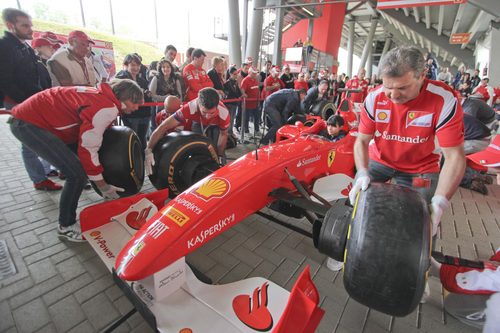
[388,249]
[182,159]
[121,155]
[324,109]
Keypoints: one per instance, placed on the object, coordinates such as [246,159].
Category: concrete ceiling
[427,27]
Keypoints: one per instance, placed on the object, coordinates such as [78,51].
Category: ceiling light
[286,27]
[307,11]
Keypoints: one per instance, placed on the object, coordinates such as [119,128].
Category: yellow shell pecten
[214,187]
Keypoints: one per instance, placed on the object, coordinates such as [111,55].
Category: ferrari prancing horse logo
[331,157]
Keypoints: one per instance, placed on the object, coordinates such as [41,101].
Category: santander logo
[136,220]
[253,311]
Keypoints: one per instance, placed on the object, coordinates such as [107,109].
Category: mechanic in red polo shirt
[358,82]
[195,76]
[64,126]
[403,117]
[208,116]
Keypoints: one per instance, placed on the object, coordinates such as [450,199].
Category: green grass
[121,46]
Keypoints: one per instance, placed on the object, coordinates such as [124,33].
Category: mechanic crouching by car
[404,116]
[65,126]
[316,95]
[207,115]
[278,107]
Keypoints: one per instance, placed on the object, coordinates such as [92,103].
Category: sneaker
[47,185]
[53,173]
[334,265]
[478,186]
[71,233]
[427,293]
[87,186]
[62,176]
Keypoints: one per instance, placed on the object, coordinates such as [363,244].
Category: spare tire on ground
[388,249]
[121,155]
[181,159]
[324,109]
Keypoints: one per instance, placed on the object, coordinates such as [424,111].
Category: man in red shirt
[250,89]
[195,76]
[59,122]
[358,82]
[481,91]
[403,117]
[272,83]
[204,112]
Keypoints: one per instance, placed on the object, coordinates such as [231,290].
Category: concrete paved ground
[64,287]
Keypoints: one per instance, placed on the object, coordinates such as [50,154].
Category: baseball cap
[490,157]
[253,70]
[51,37]
[80,35]
[249,60]
[39,42]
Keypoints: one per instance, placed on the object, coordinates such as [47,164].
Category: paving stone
[306,247]
[84,327]
[99,311]
[70,268]
[224,258]
[27,239]
[45,253]
[240,271]
[275,239]
[95,267]
[123,305]
[34,292]
[50,328]
[201,261]
[267,253]
[213,244]
[354,316]
[6,319]
[31,316]
[94,288]
[254,241]
[113,293]
[66,313]
[63,255]
[42,270]
[50,237]
[67,288]
[7,291]
[143,328]
[135,320]
[264,269]
[247,256]
[290,253]
[233,242]
[31,249]
[30,226]
[284,272]
[217,272]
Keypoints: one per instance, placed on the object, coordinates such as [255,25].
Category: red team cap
[51,37]
[276,69]
[39,42]
[80,35]
[490,157]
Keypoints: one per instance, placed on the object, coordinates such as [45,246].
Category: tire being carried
[388,249]
[324,109]
[181,159]
[121,155]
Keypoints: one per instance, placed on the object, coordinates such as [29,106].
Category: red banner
[460,38]
[387,4]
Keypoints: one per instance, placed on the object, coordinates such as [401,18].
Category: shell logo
[186,330]
[382,115]
[411,115]
[95,233]
[213,188]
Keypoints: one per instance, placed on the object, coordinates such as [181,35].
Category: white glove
[149,161]
[361,182]
[110,192]
[437,207]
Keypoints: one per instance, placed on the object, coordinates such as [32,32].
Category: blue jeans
[56,152]
[233,109]
[36,169]
[277,120]
[140,127]
[381,173]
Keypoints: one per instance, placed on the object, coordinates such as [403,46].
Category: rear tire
[182,159]
[121,155]
[324,109]
[388,249]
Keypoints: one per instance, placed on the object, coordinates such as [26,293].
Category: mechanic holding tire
[207,115]
[56,120]
[403,116]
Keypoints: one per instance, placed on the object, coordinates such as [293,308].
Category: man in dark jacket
[315,95]
[279,106]
[19,79]
[480,110]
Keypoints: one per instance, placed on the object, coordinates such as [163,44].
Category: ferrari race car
[386,257]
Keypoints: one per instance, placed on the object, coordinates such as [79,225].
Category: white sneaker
[72,233]
[427,293]
[334,265]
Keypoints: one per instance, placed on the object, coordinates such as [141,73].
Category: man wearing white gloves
[404,116]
